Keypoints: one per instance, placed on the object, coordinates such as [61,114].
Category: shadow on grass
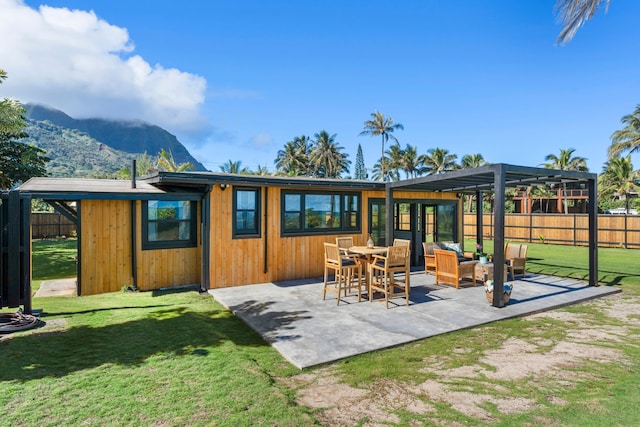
[607,278]
[175,332]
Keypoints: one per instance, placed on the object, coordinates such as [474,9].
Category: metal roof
[208,178]
[86,188]
[193,184]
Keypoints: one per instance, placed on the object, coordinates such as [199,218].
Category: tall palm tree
[566,162]
[166,162]
[294,159]
[411,162]
[627,138]
[233,167]
[573,14]
[438,160]
[619,179]
[383,126]
[470,161]
[326,157]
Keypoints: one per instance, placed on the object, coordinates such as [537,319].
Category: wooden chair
[383,273]
[344,243]
[515,255]
[429,257]
[450,271]
[347,273]
[402,242]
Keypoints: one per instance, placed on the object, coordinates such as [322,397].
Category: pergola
[497,178]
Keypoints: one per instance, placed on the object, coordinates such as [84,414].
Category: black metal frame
[496,178]
[15,251]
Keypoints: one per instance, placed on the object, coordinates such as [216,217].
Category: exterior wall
[242,261]
[164,268]
[105,245]
[106,257]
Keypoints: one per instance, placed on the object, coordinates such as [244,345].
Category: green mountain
[96,147]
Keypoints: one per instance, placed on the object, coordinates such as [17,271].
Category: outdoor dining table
[368,253]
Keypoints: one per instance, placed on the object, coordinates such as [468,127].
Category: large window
[315,212]
[246,212]
[169,224]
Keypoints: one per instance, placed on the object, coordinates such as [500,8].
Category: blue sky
[235,80]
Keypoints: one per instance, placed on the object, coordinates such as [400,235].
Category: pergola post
[498,241]
[479,220]
[388,201]
[593,231]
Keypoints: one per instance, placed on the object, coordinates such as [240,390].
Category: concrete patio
[308,331]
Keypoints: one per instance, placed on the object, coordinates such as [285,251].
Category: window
[169,224]
[402,220]
[246,212]
[315,212]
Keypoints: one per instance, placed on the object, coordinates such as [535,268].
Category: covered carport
[497,178]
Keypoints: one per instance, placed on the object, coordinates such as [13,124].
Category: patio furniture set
[369,269]
[451,266]
[376,269]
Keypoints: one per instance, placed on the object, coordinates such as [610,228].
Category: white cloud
[85,66]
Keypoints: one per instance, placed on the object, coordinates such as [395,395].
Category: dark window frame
[191,242]
[254,233]
[346,213]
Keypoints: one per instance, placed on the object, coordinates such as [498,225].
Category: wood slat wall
[106,261]
[572,229]
[163,268]
[241,261]
[105,245]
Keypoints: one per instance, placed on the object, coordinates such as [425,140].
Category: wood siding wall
[163,268]
[106,257]
[105,245]
[243,261]
[572,229]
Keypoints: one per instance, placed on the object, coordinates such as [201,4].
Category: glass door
[377,221]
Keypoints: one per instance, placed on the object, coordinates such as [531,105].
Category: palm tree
[393,160]
[628,138]
[470,161]
[166,162]
[411,162]
[566,162]
[438,160]
[326,157]
[573,14]
[233,167]
[260,170]
[619,179]
[383,126]
[294,159]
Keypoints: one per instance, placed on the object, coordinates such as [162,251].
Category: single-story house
[219,230]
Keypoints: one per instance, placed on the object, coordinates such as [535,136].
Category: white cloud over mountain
[74,61]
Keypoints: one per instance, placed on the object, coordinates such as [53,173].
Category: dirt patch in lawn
[543,363]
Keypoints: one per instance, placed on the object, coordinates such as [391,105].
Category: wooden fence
[572,229]
[46,225]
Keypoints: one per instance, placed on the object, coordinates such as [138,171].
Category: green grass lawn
[179,358]
[616,266]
